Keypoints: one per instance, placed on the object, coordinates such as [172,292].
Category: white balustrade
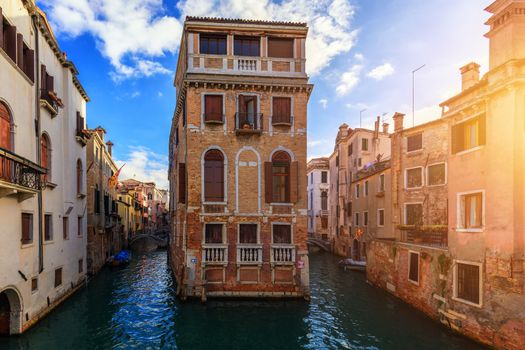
[283,254]
[249,254]
[215,254]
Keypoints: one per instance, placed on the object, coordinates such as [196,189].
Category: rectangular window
[65,227]
[471,210]
[381,217]
[357,190]
[413,178]
[366,188]
[281,110]
[58,277]
[324,177]
[182,183]
[413,214]
[280,182]
[365,218]
[413,267]
[212,44]
[312,178]
[349,209]
[80,124]
[436,174]
[80,265]
[97,201]
[324,222]
[350,149]
[356,219]
[381,183]
[248,233]
[414,142]
[467,282]
[324,200]
[27,228]
[469,134]
[213,108]
[213,233]
[34,284]
[246,46]
[280,47]
[79,226]
[282,234]
[48,227]
[364,144]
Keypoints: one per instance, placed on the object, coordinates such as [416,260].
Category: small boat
[355,265]
[122,258]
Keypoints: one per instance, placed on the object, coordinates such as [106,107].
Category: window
[337,161]
[177,136]
[212,44]
[281,110]
[213,108]
[248,233]
[413,178]
[27,228]
[45,156]
[364,144]
[365,218]
[58,277]
[80,226]
[281,177]
[413,267]
[324,222]
[324,177]
[414,142]
[324,200]
[356,219]
[34,284]
[65,227]
[469,134]
[467,283]
[80,124]
[48,227]
[79,176]
[282,234]
[213,233]
[214,176]
[247,112]
[471,211]
[350,149]
[349,209]
[312,178]
[381,217]
[246,46]
[381,183]
[280,47]
[366,188]
[436,174]
[357,190]
[9,39]
[5,136]
[80,265]
[97,201]
[413,214]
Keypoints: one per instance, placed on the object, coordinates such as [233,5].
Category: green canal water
[135,308]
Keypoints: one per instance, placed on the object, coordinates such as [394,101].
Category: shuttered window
[65,227]
[282,234]
[382,183]
[469,134]
[350,149]
[97,201]
[27,228]
[213,108]
[29,63]
[182,183]
[80,230]
[365,218]
[324,200]
[414,142]
[413,267]
[468,282]
[413,214]
[364,144]
[213,176]
[280,47]
[246,46]
[80,124]
[212,44]
[282,112]
[5,130]
[58,277]
[10,41]
[79,176]
[248,233]
[48,227]
[213,233]
[45,156]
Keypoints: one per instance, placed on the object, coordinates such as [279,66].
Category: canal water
[135,308]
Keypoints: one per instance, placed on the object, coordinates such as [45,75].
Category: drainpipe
[38,155]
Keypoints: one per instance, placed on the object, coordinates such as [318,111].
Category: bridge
[160,238]
[324,245]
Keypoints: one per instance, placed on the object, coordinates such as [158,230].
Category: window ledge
[81,195]
[472,230]
[281,124]
[51,185]
[413,188]
[213,122]
[27,245]
[470,150]
[480,305]
[413,282]
[414,152]
[49,107]
[282,204]
[214,203]
[439,185]
[48,242]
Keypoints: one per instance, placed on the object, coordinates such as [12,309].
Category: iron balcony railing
[20,171]
[426,237]
[248,122]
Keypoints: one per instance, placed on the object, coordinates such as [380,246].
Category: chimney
[385,128]
[469,75]
[376,127]
[343,130]
[110,148]
[398,121]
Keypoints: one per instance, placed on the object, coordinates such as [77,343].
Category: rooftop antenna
[414,93]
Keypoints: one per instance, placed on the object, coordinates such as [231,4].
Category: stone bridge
[324,245]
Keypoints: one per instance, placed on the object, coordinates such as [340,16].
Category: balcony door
[5,141]
[247,110]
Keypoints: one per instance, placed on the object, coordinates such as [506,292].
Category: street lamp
[414,94]
[360,117]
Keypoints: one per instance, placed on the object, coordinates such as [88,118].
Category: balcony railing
[249,254]
[215,254]
[20,172]
[283,254]
[250,123]
[435,237]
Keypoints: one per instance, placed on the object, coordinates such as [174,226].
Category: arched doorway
[10,312]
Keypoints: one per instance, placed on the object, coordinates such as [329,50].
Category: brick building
[238,160]
[318,188]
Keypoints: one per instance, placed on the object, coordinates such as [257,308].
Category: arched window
[79,176]
[45,155]
[281,177]
[5,128]
[214,176]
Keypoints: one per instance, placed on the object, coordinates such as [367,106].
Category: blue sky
[360,55]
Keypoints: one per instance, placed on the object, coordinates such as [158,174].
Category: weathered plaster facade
[318,189]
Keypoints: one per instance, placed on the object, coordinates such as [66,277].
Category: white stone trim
[446,174]
[455,282]
[248,223]
[219,148]
[281,148]
[224,233]
[259,177]
[406,178]
[418,266]
[459,207]
[284,224]
[203,106]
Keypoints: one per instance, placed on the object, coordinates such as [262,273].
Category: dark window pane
[213,233]
[414,267]
[468,283]
[282,234]
[248,233]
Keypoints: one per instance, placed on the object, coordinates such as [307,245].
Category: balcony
[283,254]
[215,254]
[19,176]
[245,65]
[248,123]
[249,254]
[434,236]
[50,101]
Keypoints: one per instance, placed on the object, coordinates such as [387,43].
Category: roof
[243,21]
[373,169]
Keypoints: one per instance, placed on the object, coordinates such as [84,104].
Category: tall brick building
[238,160]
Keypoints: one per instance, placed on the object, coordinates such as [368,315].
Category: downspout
[38,155]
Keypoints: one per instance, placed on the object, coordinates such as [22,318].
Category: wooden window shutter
[482,130]
[1,29]
[29,62]
[10,44]
[268,185]
[43,77]
[280,47]
[457,138]
[294,182]
[20,51]
[50,83]
[213,107]
[182,183]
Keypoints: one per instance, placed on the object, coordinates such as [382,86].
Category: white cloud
[357,106]
[145,165]
[349,80]
[323,102]
[135,94]
[382,71]
[314,143]
[160,94]
[359,57]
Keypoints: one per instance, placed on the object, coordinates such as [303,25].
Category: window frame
[379,224]
[460,212]
[224,176]
[258,231]
[357,190]
[273,224]
[217,37]
[290,117]
[422,178]
[224,238]
[356,219]
[427,176]
[365,188]
[324,177]
[48,238]
[243,38]
[65,228]
[410,252]
[31,240]
[455,297]
[61,277]
[381,184]
[365,218]
[420,134]
[287,175]
[203,108]
[405,205]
